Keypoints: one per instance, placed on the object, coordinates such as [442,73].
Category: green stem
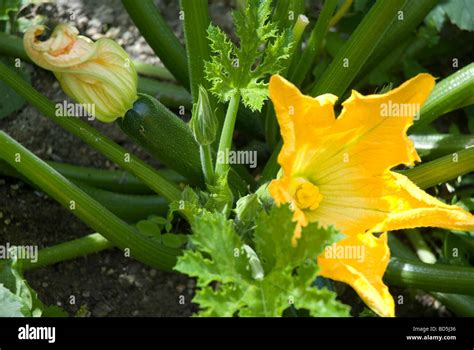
[90,244]
[271,125]
[128,207]
[12,46]
[295,50]
[350,59]
[110,180]
[414,12]
[84,207]
[280,14]
[272,167]
[206,162]
[398,54]
[443,169]
[449,94]
[225,142]
[195,25]
[196,22]
[431,146]
[171,95]
[461,305]
[437,277]
[92,137]
[160,37]
[315,43]
[341,12]
[422,249]
[153,71]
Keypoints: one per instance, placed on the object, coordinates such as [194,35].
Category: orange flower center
[307,195]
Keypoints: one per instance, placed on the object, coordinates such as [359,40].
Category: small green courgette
[169,139]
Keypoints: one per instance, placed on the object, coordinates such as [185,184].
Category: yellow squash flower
[95,73]
[337,172]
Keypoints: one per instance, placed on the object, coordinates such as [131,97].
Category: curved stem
[129,207]
[84,207]
[110,180]
[90,244]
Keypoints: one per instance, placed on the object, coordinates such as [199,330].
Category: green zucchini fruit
[169,139]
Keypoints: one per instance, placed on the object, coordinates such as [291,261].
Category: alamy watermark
[238,157]
[20,252]
[351,252]
[77,110]
[394,109]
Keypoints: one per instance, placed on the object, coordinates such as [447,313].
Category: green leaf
[11,101]
[17,298]
[242,69]
[460,13]
[273,240]
[229,273]
[10,304]
[247,209]
[149,228]
[152,228]
[436,18]
[221,197]
[174,240]
[54,311]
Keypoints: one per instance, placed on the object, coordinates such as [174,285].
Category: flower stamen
[306,194]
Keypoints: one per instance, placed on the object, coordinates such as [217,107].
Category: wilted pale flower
[97,73]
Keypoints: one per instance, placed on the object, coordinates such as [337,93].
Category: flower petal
[413,207]
[370,134]
[65,48]
[301,119]
[344,262]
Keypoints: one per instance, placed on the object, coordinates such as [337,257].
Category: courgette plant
[257,239]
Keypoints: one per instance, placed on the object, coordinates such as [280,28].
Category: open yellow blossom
[95,73]
[337,172]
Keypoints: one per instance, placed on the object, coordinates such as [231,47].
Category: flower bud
[96,73]
[254,262]
[204,121]
[248,208]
